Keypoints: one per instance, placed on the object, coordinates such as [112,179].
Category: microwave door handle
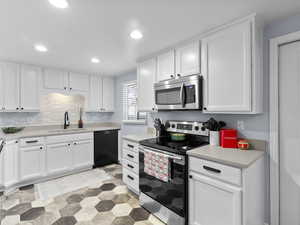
[182,95]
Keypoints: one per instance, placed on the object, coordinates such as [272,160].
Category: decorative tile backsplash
[53,106]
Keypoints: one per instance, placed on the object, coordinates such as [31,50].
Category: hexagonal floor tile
[107,195]
[32,213]
[104,218]
[121,198]
[86,214]
[89,202]
[122,189]
[139,214]
[92,192]
[108,187]
[74,198]
[70,210]
[69,220]
[105,205]
[123,220]
[19,209]
[122,210]
[11,220]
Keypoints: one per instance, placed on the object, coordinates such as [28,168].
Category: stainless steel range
[168,199]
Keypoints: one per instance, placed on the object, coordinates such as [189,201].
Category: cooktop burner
[178,147]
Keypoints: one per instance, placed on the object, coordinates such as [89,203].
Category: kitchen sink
[67,130]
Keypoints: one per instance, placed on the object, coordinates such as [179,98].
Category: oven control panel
[190,127]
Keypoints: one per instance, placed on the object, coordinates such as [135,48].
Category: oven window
[168,96]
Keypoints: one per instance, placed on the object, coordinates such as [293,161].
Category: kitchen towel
[156,165]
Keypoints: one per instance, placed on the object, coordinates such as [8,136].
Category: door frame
[275,43]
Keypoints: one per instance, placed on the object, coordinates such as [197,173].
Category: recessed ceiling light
[95,60]
[40,48]
[136,34]
[62,4]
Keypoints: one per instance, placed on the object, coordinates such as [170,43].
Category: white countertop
[38,131]
[229,156]
[138,138]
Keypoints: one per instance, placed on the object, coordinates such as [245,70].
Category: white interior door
[289,108]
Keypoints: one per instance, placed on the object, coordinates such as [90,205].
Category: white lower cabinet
[31,162]
[82,154]
[130,162]
[58,158]
[213,202]
[216,198]
[10,163]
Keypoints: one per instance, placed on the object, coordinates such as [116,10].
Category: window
[130,112]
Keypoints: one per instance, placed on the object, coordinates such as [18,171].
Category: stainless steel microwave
[184,93]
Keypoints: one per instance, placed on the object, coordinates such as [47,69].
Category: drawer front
[131,156]
[222,172]
[131,179]
[131,166]
[68,138]
[27,142]
[133,146]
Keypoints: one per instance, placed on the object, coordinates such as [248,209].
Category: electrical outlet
[240,125]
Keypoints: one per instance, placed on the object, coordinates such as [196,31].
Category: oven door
[171,194]
[181,94]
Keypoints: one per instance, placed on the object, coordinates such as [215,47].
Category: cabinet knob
[69,144]
[70,88]
[204,108]
[190,176]
[17,108]
[171,76]
[41,148]
[65,88]
[75,143]
[178,75]
[22,108]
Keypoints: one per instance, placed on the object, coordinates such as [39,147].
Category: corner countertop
[138,138]
[40,131]
[228,156]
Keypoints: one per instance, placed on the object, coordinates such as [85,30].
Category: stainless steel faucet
[66,120]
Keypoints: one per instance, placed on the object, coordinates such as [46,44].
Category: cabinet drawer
[130,145]
[222,172]
[131,166]
[131,155]
[131,179]
[69,137]
[27,142]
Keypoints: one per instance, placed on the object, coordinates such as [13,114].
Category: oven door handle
[170,156]
[182,95]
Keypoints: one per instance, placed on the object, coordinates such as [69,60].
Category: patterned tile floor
[107,203]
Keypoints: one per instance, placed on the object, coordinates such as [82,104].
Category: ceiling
[101,28]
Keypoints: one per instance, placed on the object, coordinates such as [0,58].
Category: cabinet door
[146,79]
[55,80]
[83,154]
[166,66]
[226,64]
[213,202]
[2,170]
[108,97]
[30,88]
[95,94]
[58,158]
[11,86]
[79,82]
[10,165]
[31,162]
[188,60]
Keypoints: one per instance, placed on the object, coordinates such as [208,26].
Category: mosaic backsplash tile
[52,111]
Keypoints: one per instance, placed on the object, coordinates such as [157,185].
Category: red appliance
[229,138]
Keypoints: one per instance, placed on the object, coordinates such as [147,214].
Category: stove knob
[203,128]
[196,128]
[173,125]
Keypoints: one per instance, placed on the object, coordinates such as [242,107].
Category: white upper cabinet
[10,86]
[29,91]
[146,79]
[95,94]
[79,82]
[187,59]
[231,81]
[166,66]
[55,80]
[108,95]
[101,94]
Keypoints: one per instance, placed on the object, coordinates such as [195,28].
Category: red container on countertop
[229,138]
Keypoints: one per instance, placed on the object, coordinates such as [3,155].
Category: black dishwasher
[105,147]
